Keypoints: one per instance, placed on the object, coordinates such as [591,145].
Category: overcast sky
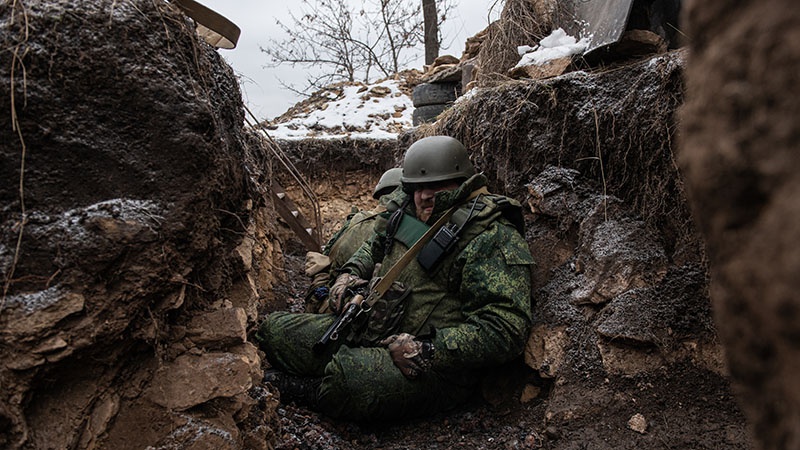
[261,88]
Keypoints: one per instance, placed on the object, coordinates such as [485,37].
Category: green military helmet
[436,158]
[388,182]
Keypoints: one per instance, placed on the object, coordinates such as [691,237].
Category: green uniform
[356,230]
[474,306]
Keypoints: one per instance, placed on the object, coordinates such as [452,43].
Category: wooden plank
[287,209]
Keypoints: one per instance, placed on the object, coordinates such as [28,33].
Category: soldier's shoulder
[505,209]
[504,238]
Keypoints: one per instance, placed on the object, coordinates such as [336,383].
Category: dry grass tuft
[521,23]
[18,13]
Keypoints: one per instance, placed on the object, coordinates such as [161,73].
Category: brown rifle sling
[385,283]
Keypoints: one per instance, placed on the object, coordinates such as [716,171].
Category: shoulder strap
[383,285]
[409,230]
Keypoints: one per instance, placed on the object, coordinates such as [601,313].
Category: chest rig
[483,209]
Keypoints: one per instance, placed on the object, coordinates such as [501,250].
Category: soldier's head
[434,164]
[388,182]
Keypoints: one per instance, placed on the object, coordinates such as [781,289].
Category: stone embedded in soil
[638,423]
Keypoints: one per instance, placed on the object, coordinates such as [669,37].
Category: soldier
[466,307]
[344,242]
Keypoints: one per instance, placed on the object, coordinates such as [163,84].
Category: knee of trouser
[266,330]
[342,394]
[362,384]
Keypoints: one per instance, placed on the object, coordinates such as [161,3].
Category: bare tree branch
[339,40]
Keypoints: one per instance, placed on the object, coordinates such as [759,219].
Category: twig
[600,157]
[15,127]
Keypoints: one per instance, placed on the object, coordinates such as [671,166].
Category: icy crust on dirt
[192,432]
[36,301]
[356,111]
[145,212]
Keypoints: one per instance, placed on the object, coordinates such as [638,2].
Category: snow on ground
[557,45]
[349,110]
[384,109]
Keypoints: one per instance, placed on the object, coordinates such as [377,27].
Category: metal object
[310,234]
[211,26]
[601,21]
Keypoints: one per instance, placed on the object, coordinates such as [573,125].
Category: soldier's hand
[316,263]
[411,356]
[343,282]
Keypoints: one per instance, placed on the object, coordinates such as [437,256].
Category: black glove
[411,356]
[316,298]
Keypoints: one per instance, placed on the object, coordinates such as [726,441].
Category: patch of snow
[6,258]
[71,225]
[375,111]
[36,301]
[126,209]
[557,45]
[468,95]
[143,211]
[191,432]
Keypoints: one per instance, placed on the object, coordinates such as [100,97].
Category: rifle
[359,304]
[350,312]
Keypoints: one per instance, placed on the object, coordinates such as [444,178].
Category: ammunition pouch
[385,315]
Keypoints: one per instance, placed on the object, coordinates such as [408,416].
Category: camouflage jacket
[356,230]
[476,303]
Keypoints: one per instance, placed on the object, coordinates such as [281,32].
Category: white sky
[261,88]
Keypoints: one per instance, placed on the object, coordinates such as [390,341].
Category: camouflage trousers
[358,383]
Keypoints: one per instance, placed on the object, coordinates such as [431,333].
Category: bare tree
[340,42]
[400,24]
[319,34]
[430,18]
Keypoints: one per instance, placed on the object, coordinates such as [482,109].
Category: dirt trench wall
[131,266]
[616,127]
[339,159]
[623,326]
[341,172]
[739,152]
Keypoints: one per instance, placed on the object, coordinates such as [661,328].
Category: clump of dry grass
[522,22]
[19,21]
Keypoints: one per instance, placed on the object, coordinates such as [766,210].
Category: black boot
[301,390]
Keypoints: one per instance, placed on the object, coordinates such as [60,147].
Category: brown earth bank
[739,154]
[140,249]
[128,235]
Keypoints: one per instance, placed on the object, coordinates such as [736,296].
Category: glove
[411,356]
[343,282]
[316,263]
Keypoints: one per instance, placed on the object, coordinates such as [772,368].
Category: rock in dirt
[130,182]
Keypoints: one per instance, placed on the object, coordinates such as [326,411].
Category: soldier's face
[424,195]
